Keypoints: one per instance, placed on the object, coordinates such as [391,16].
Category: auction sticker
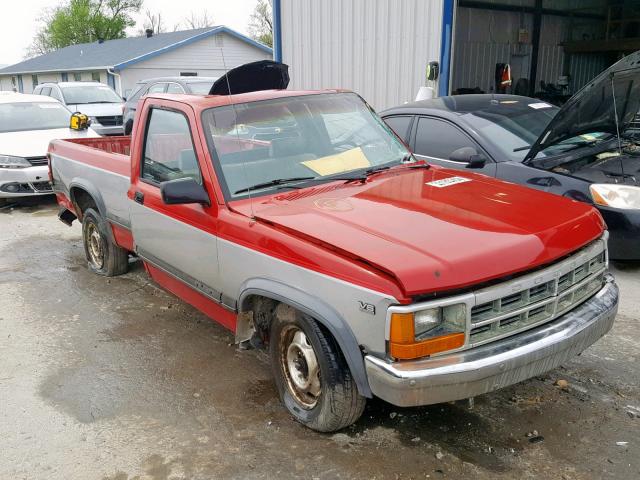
[447,182]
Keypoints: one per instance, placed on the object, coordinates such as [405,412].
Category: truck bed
[110,172]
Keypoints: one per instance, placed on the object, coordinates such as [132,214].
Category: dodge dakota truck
[300,222]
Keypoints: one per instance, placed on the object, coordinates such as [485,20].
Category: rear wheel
[312,376]
[103,256]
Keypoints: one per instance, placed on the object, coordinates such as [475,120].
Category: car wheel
[312,376]
[103,256]
[128,127]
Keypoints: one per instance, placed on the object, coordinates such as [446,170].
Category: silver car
[186,84]
[96,100]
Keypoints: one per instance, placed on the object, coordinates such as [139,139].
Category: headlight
[425,332]
[93,121]
[616,196]
[7,161]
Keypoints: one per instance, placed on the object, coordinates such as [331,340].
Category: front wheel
[312,376]
[103,256]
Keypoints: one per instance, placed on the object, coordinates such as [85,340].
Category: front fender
[318,309]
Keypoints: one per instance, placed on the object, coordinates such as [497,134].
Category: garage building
[123,62]
[381,48]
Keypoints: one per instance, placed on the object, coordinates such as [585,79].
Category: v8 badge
[367,307]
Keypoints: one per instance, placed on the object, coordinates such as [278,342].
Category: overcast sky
[18,23]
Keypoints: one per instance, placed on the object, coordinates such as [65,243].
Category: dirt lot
[116,379]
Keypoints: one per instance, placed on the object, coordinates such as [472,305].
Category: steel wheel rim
[300,365]
[95,246]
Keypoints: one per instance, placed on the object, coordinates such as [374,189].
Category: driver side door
[435,141]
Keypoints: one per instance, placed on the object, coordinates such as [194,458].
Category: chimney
[149,32]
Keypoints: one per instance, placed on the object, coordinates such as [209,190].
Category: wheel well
[82,200]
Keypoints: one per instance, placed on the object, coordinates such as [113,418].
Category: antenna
[615,112]
[235,114]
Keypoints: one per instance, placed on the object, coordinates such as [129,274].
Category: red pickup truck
[300,222]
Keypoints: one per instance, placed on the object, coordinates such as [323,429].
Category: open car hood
[252,77]
[593,108]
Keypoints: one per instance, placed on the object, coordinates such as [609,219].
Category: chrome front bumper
[498,364]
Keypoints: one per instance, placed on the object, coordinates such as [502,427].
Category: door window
[400,125]
[168,148]
[45,91]
[157,88]
[55,94]
[438,139]
[174,88]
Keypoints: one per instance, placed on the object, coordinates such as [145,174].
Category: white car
[96,100]
[27,124]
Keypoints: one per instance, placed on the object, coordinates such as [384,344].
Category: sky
[19,24]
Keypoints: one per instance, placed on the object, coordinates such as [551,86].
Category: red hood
[433,239]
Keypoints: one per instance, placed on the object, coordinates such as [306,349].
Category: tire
[128,127]
[103,256]
[328,404]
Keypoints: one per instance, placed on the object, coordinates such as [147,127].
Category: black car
[579,151]
[185,84]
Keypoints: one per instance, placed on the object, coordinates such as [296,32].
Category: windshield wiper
[519,149]
[98,101]
[273,183]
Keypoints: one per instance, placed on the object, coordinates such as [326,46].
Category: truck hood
[34,143]
[434,238]
[594,107]
[97,109]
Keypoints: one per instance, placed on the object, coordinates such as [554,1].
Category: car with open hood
[27,124]
[589,150]
[301,223]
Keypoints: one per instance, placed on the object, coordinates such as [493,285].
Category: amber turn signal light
[404,346]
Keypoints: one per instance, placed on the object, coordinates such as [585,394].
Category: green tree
[83,21]
[261,23]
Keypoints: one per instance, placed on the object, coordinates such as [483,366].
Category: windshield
[200,88]
[306,138]
[512,125]
[22,116]
[82,94]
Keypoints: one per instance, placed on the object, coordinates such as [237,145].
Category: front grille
[35,161]
[539,298]
[110,121]
[41,186]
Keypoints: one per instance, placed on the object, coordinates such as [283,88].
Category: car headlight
[9,161]
[425,332]
[93,121]
[616,196]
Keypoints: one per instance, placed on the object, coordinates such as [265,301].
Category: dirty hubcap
[94,246]
[300,364]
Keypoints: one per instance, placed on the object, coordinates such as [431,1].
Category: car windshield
[512,126]
[297,139]
[23,116]
[200,88]
[83,94]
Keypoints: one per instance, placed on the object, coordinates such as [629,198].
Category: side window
[174,88]
[157,88]
[400,125]
[55,94]
[168,149]
[438,139]
[45,91]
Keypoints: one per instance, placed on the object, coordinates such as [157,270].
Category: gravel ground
[117,379]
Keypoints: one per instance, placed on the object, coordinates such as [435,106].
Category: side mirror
[183,191]
[468,155]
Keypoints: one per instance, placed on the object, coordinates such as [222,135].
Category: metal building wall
[377,48]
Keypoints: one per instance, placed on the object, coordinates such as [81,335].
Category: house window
[34,80]
[188,74]
[77,77]
[95,76]
[219,40]
[64,77]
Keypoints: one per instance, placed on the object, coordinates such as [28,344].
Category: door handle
[138,197]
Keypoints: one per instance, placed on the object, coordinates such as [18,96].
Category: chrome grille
[524,303]
[35,161]
[110,120]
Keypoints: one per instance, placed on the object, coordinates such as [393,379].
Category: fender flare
[95,195]
[319,310]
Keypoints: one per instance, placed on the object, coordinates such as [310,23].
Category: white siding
[205,57]
[377,48]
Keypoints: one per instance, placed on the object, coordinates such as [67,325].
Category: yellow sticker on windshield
[588,138]
[341,162]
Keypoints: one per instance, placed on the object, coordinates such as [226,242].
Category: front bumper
[23,182]
[107,130]
[498,364]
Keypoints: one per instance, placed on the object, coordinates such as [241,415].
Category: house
[123,62]
[381,48]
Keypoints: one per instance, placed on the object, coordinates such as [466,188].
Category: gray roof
[118,54]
